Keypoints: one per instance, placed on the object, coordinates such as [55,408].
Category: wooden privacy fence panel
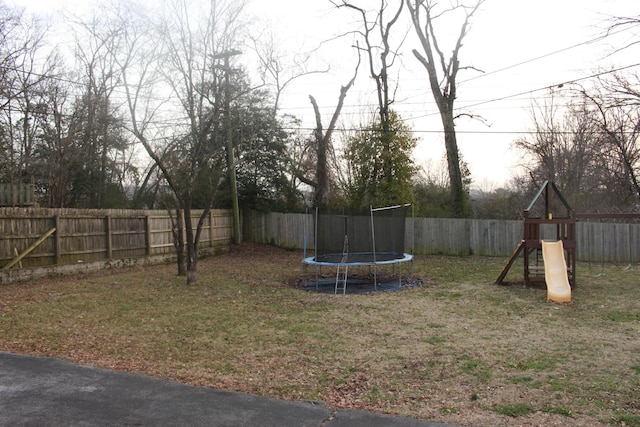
[609,242]
[128,237]
[18,233]
[98,235]
[285,230]
[439,236]
[81,239]
[17,194]
[494,237]
[220,229]
[160,237]
[595,241]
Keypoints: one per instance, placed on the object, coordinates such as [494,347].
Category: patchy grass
[514,410]
[457,349]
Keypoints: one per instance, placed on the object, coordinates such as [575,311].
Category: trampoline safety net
[360,237]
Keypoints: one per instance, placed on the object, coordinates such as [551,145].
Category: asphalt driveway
[38,391]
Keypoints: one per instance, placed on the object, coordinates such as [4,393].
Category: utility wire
[509,67]
[529,92]
[585,43]
[473,105]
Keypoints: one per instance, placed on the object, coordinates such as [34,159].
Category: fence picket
[94,235]
[87,235]
[595,241]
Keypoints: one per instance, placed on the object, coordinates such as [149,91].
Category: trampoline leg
[305,278]
[375,277]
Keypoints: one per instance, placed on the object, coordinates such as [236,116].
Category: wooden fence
[89,236]
[17,194]
[595,241]
[85,236]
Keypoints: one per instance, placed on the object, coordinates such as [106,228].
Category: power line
[537,58]
[509,67]
[529,92]
[403,104]
[471,132]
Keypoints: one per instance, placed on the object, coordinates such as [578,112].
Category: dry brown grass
[457,349]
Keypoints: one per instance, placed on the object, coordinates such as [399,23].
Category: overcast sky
[524,48]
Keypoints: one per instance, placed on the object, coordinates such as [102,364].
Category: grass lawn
[457,349]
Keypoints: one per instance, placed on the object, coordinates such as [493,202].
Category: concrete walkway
[41,391]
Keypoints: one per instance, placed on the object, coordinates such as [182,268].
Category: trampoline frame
[406,257]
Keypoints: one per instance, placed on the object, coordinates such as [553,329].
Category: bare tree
[377,33]
[171,75]
[616,103]
[322,145]
[277,68]
[100,127]
[20,42]
[56,151]
[443,74]
[589,145]
[565,147]
[25,68]
[624,22]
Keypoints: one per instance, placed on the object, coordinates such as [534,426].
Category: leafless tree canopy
[442,71]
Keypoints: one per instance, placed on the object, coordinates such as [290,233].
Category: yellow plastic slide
[555,271]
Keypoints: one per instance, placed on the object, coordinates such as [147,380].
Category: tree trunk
[178,236]
[323,141]
[443,87]
[192,249]
[457,191]
[322,145]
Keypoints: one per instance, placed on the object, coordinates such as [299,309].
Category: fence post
[107,226]
[147,235]
[56,239]
[211,233]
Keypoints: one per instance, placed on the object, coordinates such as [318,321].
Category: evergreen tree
[380,165]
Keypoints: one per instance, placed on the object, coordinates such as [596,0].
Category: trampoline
[358,239]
